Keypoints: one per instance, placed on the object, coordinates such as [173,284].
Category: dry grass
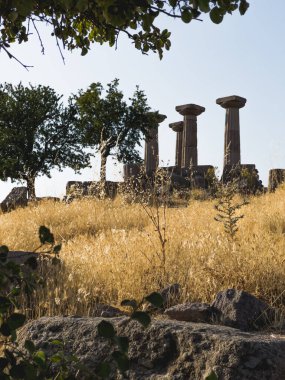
[111,251]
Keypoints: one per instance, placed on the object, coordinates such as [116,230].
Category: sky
[243,56]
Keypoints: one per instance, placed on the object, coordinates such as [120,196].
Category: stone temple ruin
[186,173]
[186,155]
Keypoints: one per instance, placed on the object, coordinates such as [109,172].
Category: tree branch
[11,56]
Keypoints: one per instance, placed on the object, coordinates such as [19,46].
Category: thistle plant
[227,207]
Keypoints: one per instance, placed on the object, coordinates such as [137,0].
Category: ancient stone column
[178,128]
[232,104]
[189,139]
[151,152]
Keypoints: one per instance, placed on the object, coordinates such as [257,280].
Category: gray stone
[131,171]
[167,350]
[107,311]
[151,152]
[232,101]
[241,310]
[170,294]
[232,104]
[178,128]
[189,139]
[74,188]
[276,177]
[190,109]
[18,197]
[48,199]
[20,257]
[192,312]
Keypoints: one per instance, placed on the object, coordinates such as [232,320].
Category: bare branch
[11,56]
[39,36]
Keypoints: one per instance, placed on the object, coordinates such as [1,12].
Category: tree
[37,133]
[111,125]
[78,23]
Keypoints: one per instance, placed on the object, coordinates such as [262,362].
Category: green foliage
[121,343]
[37,133]
[212,376]
[79,23]
[34,364]
[227,207]
[31,364]
[112,126]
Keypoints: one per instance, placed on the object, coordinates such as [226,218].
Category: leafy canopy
[37,133]
[78,23]
[111,125]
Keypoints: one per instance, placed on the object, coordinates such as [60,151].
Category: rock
[107,311]
[170,294]
[20,257]
[74,188]
[18,197]
[276,177]
[192,312]
[77,189]
[48,199]
[167,350]
[241,310]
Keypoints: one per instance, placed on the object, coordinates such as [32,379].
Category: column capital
[160,117]
[190,109]
[177,127]
[232,101]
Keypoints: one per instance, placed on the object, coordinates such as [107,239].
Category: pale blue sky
[242,56]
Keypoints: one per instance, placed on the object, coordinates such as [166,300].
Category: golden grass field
[111,251]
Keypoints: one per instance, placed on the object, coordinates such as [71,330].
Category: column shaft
[151,155]
[178,153]
[232,104]
[232,137]
[189,149]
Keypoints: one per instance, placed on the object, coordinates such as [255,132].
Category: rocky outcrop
[168,350]
[241,310]
[18,197]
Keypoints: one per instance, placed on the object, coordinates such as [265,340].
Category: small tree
[112,126]
[37,134]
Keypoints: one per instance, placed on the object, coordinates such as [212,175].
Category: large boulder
[18,197]
[167,350]
[241,310]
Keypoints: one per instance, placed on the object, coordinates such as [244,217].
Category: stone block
[276,177]
[192,312]
[18,197]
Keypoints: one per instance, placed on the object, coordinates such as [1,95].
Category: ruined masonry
[187,173]
[186,155]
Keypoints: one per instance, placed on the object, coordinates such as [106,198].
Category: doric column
[151,152]
[189,140]
[232,104]
[178,128]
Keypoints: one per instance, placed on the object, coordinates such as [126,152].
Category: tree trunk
[103,176]
[103,168]
[31,188]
